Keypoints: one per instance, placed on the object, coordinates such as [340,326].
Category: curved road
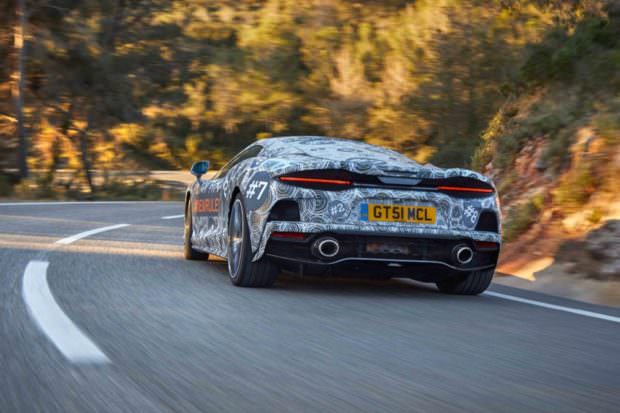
[118,321]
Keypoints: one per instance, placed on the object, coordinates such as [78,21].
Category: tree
[18,90]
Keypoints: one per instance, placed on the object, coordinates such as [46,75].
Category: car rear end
[425,225]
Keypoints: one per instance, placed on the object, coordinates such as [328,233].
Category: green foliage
[558,55]
[555,116]
[38,187]
[6,189]
[131,190]
[557,152]
[160,83]
[576,187]
[506,182]
[522,217]
[136,188]
[607,123]
[207,79]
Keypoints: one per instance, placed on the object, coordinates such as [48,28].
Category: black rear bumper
[426,258]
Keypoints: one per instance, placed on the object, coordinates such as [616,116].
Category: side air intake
[284,210]
[487,222]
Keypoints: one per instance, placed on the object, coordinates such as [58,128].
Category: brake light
[289,235]
[324,181]
[485,245]
[464,189]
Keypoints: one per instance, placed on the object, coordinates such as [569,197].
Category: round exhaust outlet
[462,254]
[326,247]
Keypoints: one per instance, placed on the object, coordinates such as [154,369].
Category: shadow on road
[357,286]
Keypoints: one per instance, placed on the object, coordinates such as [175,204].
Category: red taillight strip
[315,180]
[289,235]
[464,189]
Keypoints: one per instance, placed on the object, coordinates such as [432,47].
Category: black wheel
[188,251]
[243,272]
[473,283]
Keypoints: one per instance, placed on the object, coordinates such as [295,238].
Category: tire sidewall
[188,227]
[245,244]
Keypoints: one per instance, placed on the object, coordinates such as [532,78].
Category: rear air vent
[487,222]
[284,210]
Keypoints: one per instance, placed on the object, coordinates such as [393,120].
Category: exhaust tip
[326,247]
[463,254]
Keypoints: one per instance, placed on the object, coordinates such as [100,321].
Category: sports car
[337,207]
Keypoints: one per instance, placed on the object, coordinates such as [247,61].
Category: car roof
[326,147]
[308,140]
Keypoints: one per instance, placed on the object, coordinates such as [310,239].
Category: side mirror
[199,168]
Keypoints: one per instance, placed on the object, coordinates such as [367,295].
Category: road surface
[102,317]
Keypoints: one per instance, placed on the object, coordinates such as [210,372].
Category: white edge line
[173,216]
[76,237]
[571,310]
[54,323]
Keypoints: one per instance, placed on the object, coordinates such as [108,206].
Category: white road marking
[76,237]
[173,216]
[50,318]
[571,310]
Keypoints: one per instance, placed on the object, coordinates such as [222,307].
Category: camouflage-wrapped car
[317,205]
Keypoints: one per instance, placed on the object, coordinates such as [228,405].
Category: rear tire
[243,272]
[188,251]
[473,283]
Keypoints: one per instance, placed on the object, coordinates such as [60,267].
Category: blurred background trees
[156,84]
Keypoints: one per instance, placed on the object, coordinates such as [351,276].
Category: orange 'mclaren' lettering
[209,205]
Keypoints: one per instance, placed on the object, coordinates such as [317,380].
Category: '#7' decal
[261,186]
[257,190]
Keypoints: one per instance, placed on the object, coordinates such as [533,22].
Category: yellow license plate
[397,213]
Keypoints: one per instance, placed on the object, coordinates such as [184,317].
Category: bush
[576,187]
[505,184]
[607,125]
[507,148]
[557,56]
[482,156]
[522,217]
[557,151]
[138,190]
[6,187]
[47,186]
[37,187]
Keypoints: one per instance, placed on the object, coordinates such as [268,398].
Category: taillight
[486,245]
[461,187]
[465,189]
[289,235]
[314,180]
[328,179]
[338,179]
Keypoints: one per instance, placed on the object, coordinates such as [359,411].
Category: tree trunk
[18,91]
[85,155]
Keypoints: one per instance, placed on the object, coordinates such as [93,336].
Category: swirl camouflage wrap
[253,173]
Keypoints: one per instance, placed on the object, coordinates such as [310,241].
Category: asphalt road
[178,337]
